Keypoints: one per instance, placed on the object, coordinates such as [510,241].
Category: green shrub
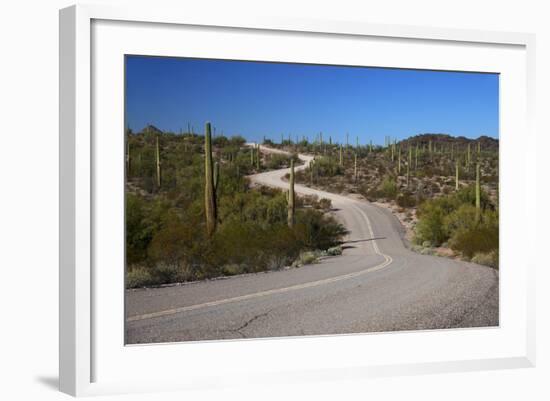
[308,258]
[334,251]
[405,199]
[325,204]
[314,230]
[430,227]
[453,218]
[139,277]
[481,239]
[488,259]
[388,188]
[327,167]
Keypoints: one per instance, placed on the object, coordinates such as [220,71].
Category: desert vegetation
[446,188]
[191,213]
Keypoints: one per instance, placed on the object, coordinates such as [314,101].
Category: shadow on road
[362,240]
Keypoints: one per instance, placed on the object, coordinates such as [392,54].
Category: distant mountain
[487,143]
[151,129]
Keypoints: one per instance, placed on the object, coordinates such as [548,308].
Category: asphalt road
[376,285]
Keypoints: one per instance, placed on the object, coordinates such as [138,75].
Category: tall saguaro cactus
[341,158]
[290,217]
[258,157]
[456,175]
[478,193]
[399,160]
[409,166]
[209,192]
[158,161]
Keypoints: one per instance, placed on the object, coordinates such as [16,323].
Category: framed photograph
[269,200]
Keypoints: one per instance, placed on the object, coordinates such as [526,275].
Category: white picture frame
[80,344]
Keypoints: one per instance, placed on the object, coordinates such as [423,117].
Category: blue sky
[254,99]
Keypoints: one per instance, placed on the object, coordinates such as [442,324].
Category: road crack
[248,322]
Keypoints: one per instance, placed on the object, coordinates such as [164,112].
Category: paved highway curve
[376,285]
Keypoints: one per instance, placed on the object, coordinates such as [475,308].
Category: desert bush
[314,230]
[481,237]
[277,161]
[430,227]
[306,258]
[327,167]
[325,204]
[487,259]
[405,199]
[454,218]
[139,277]
[388,188]
[334,251]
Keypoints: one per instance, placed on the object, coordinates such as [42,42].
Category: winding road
[377,284]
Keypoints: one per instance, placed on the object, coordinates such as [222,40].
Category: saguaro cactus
[258,157]
[478,193]
[409,166]
[399,160]
[290,217]
[158,161]
[209,193]
[341,159]
[456,175]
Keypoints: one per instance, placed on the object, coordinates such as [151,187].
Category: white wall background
[29,186]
